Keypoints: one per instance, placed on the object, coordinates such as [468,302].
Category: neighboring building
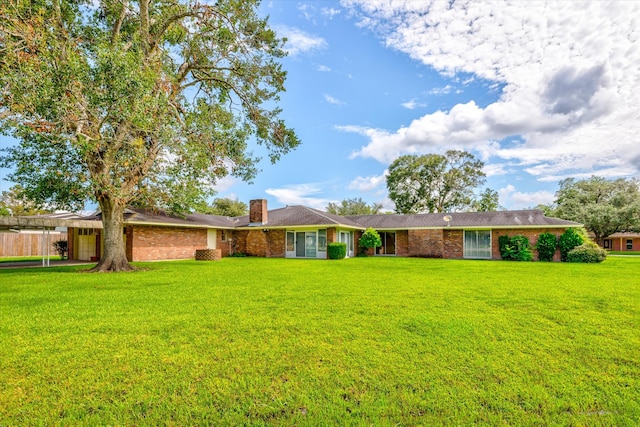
[303,232]
[622,242]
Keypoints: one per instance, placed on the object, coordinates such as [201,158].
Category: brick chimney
[258,212]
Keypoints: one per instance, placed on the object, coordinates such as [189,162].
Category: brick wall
[276,243]
[426,243]
[226,246]
[453,244]
[158,243]
[256,243]
[332,236]
[403,245]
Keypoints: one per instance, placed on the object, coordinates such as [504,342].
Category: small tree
[369,239]
[62,247]
[571,238]
[546,246]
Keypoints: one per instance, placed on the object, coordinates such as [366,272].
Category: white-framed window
[322,240]
[629,244]
[306,243]
[477,244]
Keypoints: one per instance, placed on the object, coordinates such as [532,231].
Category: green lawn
[12,259]
[364,341]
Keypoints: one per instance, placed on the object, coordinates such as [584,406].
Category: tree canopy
[143,102]
[487,201]
[14,203]
[434,182]
[225,207]
[355,206]
[603,206]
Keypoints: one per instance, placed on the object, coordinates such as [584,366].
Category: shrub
[62,247]
[587,252]
[369,239]
[518,249]
[546,246]
[515,248]
[503,242]
[337,250]
[571,238]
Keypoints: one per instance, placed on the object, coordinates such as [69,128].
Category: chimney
[258,212]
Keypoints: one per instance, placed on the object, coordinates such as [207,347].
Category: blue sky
[538,91]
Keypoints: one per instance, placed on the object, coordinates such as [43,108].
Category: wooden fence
[28,244]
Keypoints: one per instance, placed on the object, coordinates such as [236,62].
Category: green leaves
[355,206]
[603,206]
[138,97]
[434,182]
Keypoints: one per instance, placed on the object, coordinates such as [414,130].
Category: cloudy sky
[539,91]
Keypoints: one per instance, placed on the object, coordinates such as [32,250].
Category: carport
[46,224]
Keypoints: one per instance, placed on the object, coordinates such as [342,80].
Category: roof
[623,234]
[302,216]
[499,219]
[44,222]
[292,216]
[149,217]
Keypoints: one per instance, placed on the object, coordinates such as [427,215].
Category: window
[607,243]
[322,240]
[629,244]
[477,244]
[223,235]
[291,238]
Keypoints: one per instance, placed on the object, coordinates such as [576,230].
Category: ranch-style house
[303,232]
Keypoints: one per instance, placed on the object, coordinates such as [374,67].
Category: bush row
[574,244]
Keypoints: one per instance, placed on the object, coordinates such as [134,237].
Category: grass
[364,341]
[12,259]
[624,252]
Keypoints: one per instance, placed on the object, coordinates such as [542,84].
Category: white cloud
[568,72]
[513,199]
[225,183]
[331,100]
[369,183]
[330,12]
[323,68]
[300,194]
[440,90]
[299,41]
[413,104]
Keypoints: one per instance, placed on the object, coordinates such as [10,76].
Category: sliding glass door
[388,243]
[477,244]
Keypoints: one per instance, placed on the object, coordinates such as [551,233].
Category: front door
[300,242]
[86,247]
[346,238]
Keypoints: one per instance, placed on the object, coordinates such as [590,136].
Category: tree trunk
[114,257]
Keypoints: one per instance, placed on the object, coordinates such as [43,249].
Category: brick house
[622,242]
[303,232]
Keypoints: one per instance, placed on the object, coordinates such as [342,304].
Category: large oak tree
[434,182]
[144,102]
[603,206]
